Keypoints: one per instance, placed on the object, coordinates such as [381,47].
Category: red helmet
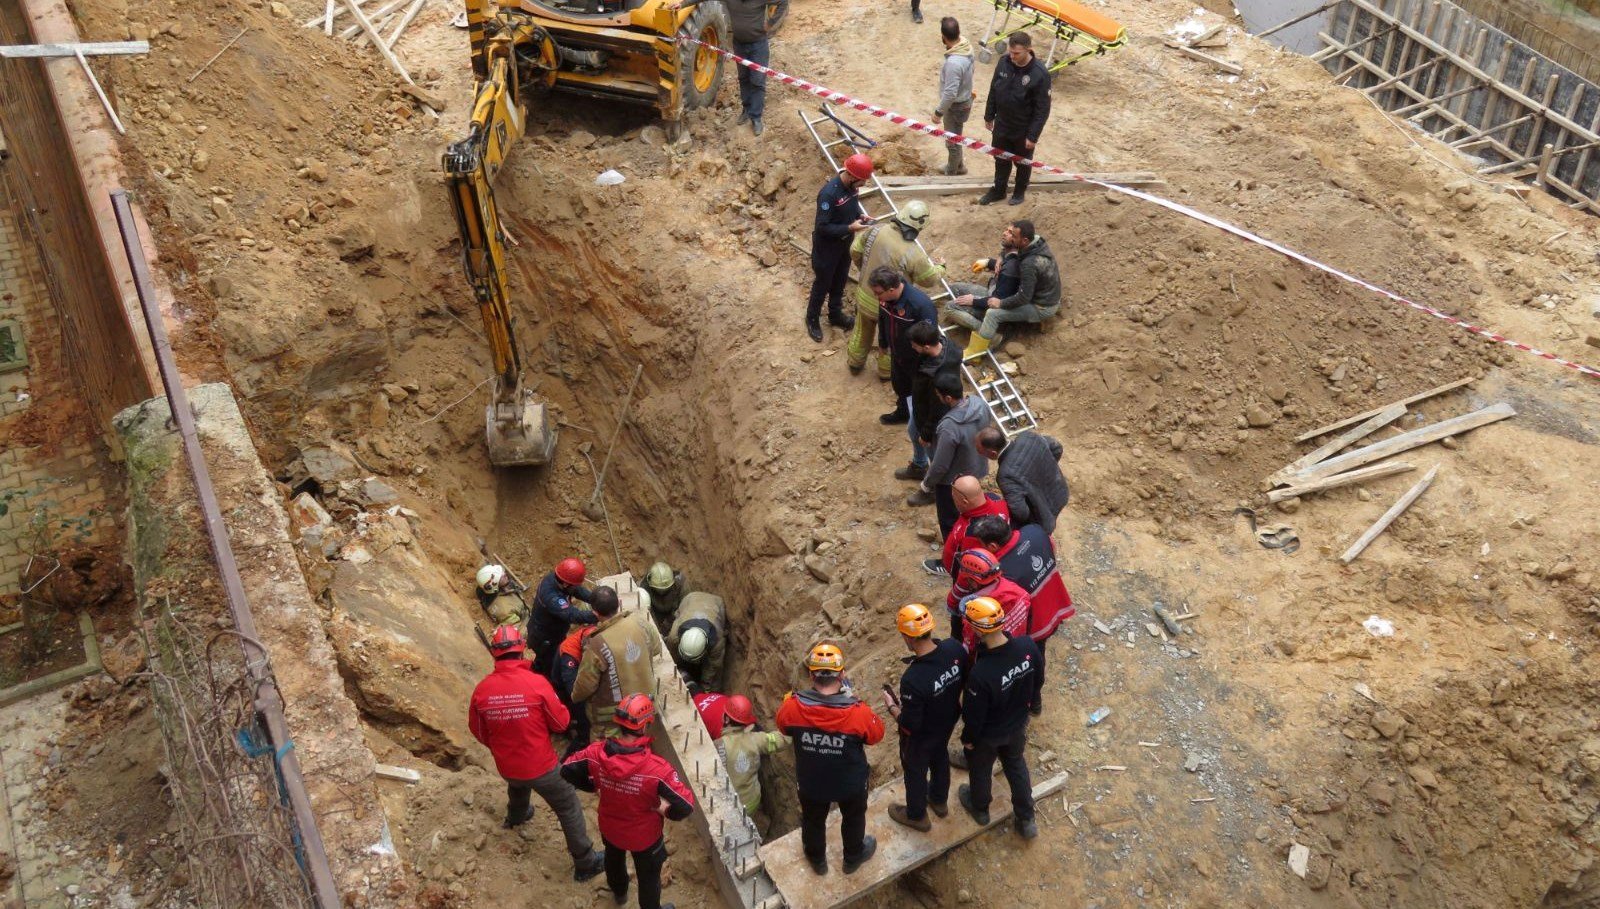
[571,571]
[507,639]
[976,568]
[740,710]
[858,166]
[635,713]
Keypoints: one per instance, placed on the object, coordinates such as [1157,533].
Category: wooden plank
[378,15]
[1339,443]
[1360,475]
[900,849]
[1347,421]
[391,772]
[1406,442]
[1203,57]
[953,186]
[1297,19]
[377,41]
[405,21]
[1388,517]
[88,49]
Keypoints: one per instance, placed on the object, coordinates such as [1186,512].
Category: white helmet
[692,646]
[490,577]
[914,215]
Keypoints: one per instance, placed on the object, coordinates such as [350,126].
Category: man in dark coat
[900,306]
[936,355]
[838,218]
[1029,475]
[1018,106]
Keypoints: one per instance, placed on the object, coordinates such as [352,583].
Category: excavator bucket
[519,433]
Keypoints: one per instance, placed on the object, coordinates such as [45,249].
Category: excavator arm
[517,427]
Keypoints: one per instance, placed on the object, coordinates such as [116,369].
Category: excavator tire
[702,67]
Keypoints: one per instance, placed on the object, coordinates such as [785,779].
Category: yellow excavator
[620,50]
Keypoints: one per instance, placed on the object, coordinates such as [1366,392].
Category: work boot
[869,845]
[511,822]
[911,472]
[919,498]
[589,867]
[995,194]
[897,813]
[818,866]
[964,794]
[940,809]
[897,417]
[814,329]
[916,16]
[977,346]
[842,320]
[958,758]
[744,117]
[620,897]
[1026,829]
[756,126]
[934,566]
[955,169]
[1016,198]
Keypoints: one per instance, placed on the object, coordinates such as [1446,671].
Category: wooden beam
[1360,475]
[900,849]
[391,772]
[1388,517]
[88,49]
[405,21]
[1405,442]
[941,185]
[1203,57]
[1298,19]
[1328,449]
[377,41]
[1367,415]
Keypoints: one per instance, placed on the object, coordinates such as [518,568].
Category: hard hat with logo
[914,620]
[571,571]
[825,658]
[985,614]
[490,577]
[976,568]
[507,639]
[858,166]
[692,644]
[740,710]
[659,578]
[914,214]
[635,713]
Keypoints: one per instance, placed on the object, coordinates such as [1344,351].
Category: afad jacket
[1029,560]
[957,541]
[513,711]
[1013,599]
[713,710]
[831,733]
[632,782]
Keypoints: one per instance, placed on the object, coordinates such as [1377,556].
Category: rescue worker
[500,596]
[937,356]
[1036,297]
[1015,111]
[838,216]
[971,502]
[925,712]
[513,711]
[638,789]
[665,586]
[567,660]
[887,244]
[554,612]
[743,745]
[699,640]
[902,306]
[1004,686]
[716,709]
[831,729]
[618,658]
[1028,558]
[978,575]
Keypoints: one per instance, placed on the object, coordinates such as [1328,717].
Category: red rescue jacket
[1013,599]
[1029,559]
[632,781]
[513,711]
[713,709]
[957,541]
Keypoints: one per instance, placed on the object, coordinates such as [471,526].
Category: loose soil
[296,199]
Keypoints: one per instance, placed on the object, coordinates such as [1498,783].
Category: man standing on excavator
[839,216]
[554,613]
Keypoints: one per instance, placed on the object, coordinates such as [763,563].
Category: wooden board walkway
[941,185]
[900,849]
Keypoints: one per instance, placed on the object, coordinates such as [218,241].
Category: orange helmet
[740,710]
[858,166]
[825,658]
[914,620]
[635,713]
[976,568]
[571,571]
[985,614]
[507,639]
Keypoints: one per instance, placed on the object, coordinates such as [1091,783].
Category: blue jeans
[753,85]
[919,455]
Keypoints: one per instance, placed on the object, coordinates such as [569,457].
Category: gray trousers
[955,118]
[562,799]
[986,321]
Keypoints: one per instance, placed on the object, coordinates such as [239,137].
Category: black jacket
[926,407]
[1019,98]
[837,209]
[893,321]
[930,691]
[1001,685]
[756,20]
[554,613]
[1030,478]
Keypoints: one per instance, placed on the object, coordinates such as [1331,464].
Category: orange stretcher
[1077,31]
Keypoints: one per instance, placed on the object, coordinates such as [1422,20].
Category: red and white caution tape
[831,96]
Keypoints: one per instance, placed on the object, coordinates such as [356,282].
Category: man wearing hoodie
[954,454]
[1037,295]
[1015,111]
[955,88]
[754,24]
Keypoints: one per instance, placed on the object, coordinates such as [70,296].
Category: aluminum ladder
[983,372]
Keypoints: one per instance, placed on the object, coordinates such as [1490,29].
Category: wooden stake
[327,18]
[1374,472]
[376,16]
[1298,19]
[207,64]
[1406,442]
[411,13]
[1388,517]
[1423,396]
[377,41]
[1328,449]
[104,101]
[1223,65]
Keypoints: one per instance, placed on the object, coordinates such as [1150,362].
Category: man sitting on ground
[1035,295]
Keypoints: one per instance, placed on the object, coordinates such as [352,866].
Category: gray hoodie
[955,76]
[954,454]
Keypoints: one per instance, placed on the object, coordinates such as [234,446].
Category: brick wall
[52,462]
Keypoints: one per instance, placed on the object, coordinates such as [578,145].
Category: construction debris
[1406,442]
[1367,415]
[1360,475]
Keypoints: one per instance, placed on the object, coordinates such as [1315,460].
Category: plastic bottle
[1100,713]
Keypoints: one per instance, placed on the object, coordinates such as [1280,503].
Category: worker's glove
[979,266]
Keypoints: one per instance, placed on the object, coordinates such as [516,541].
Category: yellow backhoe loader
[626,51]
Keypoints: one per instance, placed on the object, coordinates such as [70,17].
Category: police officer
[839,216]
[928,706]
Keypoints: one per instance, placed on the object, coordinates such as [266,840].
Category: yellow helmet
[985,614]
[825,658]
[914,620]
